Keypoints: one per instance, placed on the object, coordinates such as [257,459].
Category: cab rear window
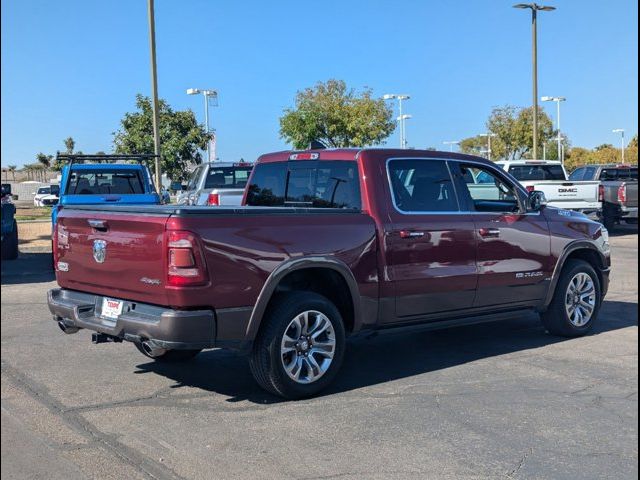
[227,177]
[103,181]
[316,184]
[619,174]
[537,172]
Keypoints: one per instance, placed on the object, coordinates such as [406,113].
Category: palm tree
[12,169]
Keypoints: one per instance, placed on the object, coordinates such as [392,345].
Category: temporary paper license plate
[111,308]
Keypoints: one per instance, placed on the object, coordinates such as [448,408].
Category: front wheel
[300,347]
[576,302]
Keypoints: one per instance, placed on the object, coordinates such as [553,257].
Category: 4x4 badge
[99,250]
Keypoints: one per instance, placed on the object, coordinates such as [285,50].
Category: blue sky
[73,67]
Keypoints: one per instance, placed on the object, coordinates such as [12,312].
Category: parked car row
[607,193]
[326,244]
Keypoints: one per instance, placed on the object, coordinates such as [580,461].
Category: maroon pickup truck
[328,243]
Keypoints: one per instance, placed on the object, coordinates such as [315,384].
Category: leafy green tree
[44,160]
[70,145]
[604,146]
[336,116]
[513,129]
[181,136]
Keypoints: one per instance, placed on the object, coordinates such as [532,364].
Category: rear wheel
[300,348]
[576,302]
[164,355]
[10,244]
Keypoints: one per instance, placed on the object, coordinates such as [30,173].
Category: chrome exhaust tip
[67,328]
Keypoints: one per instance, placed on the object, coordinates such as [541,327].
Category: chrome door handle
[410,234]
[489,232]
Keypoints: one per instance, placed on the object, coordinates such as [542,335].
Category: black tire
[556,319]
[10,244]
[266,360]
[169,355]
[609,219]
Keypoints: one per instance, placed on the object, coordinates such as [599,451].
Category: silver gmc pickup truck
[216,184]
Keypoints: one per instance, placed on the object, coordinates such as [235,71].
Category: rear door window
[314,184]
[525,173]
[422,186]
[105,182]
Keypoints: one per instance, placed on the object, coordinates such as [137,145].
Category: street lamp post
[488,135]
[451,144]
[534,7]
[557,100]
[154,95]
[621,132]
[401,118]
[208,96]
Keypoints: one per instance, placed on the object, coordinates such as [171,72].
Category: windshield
[227,177]
[44,190]
[316,184]
[104,181]
[537,172]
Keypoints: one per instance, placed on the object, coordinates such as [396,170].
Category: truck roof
[106,166]
[529,162]
[351,154]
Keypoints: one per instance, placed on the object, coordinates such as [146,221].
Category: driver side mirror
[536,201]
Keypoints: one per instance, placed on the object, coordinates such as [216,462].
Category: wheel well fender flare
[293,265]
[566,253]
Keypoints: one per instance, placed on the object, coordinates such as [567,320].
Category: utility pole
[154,95]
[534,7]
[621,132]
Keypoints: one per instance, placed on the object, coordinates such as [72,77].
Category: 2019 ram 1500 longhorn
[329,243]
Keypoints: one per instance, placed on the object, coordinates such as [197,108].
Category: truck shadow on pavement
[28,268]
[386,356]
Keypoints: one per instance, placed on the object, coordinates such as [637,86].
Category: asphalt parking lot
[503,400]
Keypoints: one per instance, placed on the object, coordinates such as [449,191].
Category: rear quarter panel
[241,251]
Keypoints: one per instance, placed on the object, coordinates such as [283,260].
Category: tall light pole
[488,135]
[154,95]
[451,144]
[621,132]
[534,7]
[209,95]
[401,118]
[557,100]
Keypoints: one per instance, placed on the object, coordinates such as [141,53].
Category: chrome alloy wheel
[580,300]
[308,346]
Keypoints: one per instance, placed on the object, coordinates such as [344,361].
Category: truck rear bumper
[166,328]
[629,212]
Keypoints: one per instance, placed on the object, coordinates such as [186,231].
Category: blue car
[98,180]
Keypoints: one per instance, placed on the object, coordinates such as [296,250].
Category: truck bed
[240,247]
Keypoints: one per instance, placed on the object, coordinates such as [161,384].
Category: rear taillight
[622,193]
[601,193]
[185,263]
[530,188]
[54,246]
[213,199]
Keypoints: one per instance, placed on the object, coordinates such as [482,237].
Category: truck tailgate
[570,195]
[112,254]
[632,194]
